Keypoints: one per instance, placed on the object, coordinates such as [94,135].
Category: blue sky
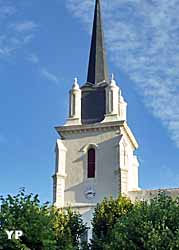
[45,44]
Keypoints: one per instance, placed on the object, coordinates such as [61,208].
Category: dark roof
[97,69]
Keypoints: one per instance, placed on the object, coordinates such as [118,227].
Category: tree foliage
[44,227]
[106,215]
[146,225]
[118,224]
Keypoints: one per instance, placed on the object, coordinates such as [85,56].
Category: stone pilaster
[123,180]
[59,176]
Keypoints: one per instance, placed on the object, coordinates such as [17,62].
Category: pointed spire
[97,69]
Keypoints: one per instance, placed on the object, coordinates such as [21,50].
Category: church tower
[95,151]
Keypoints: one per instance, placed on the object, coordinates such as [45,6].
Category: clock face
[90,193]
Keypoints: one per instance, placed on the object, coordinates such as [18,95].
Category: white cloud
[25,26]
[15,33]
[5,51]
[6,10]
[33,58]
[142,38]
[49,76]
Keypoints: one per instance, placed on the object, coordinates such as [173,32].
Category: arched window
[91,163]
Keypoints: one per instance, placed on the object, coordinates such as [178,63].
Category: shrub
[106,215]
[152,225]
[44,227]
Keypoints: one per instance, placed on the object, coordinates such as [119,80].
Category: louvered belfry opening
[91,163]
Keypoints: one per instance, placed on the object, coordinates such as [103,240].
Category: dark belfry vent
[93,104]
[97,70]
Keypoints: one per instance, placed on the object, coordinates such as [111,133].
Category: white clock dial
[90,193]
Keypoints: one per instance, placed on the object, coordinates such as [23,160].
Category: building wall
[149,194]
[116,166]
[107,163]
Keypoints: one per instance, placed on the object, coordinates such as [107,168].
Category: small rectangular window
[91,163]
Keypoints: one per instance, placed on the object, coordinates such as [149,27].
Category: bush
[105,217]
[152,225]
[44,227]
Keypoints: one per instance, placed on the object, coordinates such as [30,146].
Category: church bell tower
[95,150]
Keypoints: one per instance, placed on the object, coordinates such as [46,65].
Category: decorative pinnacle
[76,80]
[75,84]
[112,81]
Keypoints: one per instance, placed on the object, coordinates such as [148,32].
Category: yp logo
[14,234]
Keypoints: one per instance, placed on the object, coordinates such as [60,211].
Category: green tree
[44,227]
[69,230]
[106,215]
[152,225]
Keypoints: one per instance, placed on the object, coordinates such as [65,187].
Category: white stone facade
[95,139]
[111,158]
[116,166]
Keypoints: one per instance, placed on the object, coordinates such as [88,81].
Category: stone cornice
[74,129]
[58,175]
[120,126]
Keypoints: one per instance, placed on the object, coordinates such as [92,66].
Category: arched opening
[91,163]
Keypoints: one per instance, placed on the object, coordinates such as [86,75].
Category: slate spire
[97,69]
